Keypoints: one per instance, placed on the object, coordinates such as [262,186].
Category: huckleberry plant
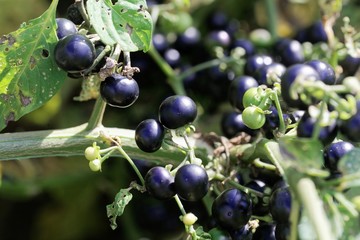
[284,163]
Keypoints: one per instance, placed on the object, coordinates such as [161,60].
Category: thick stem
[97,114]
[272,17]
[314,207]
[73,142]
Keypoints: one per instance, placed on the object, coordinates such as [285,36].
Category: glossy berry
[316,33]
[191,182]
[265,231]
[65,27]
[218,38]
[350,128]
[74,53]
[350,65]
[306,127]
[268,73]
[159,183]
[333,152]
[119,91]
[255,62]
[160,42]
[74,14]
[282,231]
[177,111]
[280,205]
[243,233]
[232,124]
[237,89]
[259,208]
[149,135]
[290,52]
[172,57]
[306,73]
[232,209]
[188,40]
[325,71]
[244,44]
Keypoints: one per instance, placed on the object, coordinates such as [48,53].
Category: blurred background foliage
[60,198]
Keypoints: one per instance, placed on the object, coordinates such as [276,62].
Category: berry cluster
[81,55]
[273,91]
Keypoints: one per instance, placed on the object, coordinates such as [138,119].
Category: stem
[239,186]
[131,162]
[258,163]
[180,205]
[276,100]
[294,218]
[314,207]
[97,114]
[98,59]
[81,6]
[272,17]
[73,141]
[173,81]
[317,126]
[205,65]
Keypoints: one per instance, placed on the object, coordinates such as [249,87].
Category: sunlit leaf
[29,76]
[126,22]
[302,153]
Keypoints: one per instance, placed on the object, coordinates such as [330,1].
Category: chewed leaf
[116,209]
[29,76]
[126,22]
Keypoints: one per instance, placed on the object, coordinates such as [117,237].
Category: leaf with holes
[29,76]
[126,22]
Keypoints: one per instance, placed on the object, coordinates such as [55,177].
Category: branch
[73,142]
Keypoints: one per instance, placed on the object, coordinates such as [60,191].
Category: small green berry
[95,165]
[91,153]
[189,219]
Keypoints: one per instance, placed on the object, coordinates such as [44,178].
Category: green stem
[282,127]
[73,141]
[317,126]
[97,114]
[272,17]
[180,205]
[313,206]
[97,60]
[239,186]
[258,163]
[131,162]
[208,64]
[294,218]
[175,83]
[81,6]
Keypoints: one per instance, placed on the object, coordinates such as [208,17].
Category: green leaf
[303,154]
[116,209]
[349,163]
[126,22]
[29,76]
[201,234]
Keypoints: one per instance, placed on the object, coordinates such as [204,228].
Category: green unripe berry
[95,165]
[189,219]
[253,117]
[91,153]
